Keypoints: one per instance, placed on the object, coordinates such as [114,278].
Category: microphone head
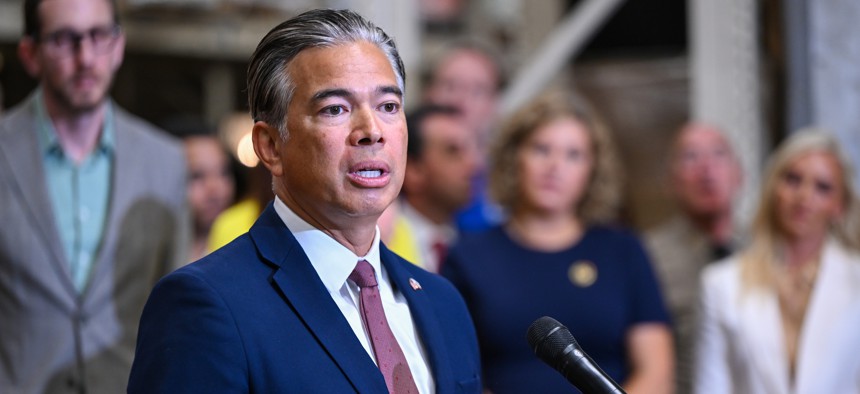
[553,343]
[549,339]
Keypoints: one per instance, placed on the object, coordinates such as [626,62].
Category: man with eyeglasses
[92,209]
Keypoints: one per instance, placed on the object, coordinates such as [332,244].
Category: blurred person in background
[704,177]
[782,315]
[211,187]
[253,183]
[554,169]
[441,161]
[93,208]
[469,76]
[239,217]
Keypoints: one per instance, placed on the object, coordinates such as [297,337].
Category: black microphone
[553,343]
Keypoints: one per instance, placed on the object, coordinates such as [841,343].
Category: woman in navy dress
[554,170]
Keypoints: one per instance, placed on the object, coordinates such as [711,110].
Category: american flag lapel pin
[414,283]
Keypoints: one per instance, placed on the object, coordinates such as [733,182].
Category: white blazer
[740,348]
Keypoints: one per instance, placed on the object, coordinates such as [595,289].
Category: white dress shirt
[334,263]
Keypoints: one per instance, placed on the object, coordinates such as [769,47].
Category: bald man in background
[704,179]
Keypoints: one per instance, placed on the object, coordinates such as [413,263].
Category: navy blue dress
[598,288]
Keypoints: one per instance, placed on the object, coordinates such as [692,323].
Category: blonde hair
[603,194]
[764,253]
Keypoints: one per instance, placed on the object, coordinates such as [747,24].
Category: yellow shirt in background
[233,222]
[403,241]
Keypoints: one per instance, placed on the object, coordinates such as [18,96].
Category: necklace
[794,287]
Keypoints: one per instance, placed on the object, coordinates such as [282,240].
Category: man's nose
[83,50]
[366,129]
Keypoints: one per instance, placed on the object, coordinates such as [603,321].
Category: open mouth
[369,173]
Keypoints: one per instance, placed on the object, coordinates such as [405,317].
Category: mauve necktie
[440,250]
[389,356]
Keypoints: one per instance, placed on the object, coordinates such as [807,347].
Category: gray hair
[270,87]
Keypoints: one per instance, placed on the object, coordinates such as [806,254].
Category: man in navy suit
[274,311]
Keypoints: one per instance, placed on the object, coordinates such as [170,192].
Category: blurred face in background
[76,54]
[555,166]
[705,173]
[468,81]
[808,195]
[449,160]
[210,182]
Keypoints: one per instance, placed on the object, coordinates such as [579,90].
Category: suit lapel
[21,147]
[304,291]
[425,319]
[764,342]
[829,315]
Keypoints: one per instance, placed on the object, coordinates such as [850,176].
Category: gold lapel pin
[582,273]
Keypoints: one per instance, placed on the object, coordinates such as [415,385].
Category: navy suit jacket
[254,317]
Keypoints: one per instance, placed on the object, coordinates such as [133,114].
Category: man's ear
[28,52]
[267,144]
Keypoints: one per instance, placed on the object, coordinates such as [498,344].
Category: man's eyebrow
[390,89]
[344,93]
[324,94]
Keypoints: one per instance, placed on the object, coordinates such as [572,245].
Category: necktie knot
[363,275]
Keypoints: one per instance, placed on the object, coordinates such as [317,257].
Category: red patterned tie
[389,356]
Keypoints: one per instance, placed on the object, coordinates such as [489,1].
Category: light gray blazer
[51,338]
[741,348]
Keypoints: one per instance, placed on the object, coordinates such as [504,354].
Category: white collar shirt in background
[426,234]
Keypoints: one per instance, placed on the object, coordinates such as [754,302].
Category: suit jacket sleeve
[188,342]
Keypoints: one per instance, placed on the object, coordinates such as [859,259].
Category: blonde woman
[554,170]
[783,315]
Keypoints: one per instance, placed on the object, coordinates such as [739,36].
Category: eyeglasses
[65,42]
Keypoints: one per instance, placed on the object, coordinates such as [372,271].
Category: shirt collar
[47,136]
[332,261]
